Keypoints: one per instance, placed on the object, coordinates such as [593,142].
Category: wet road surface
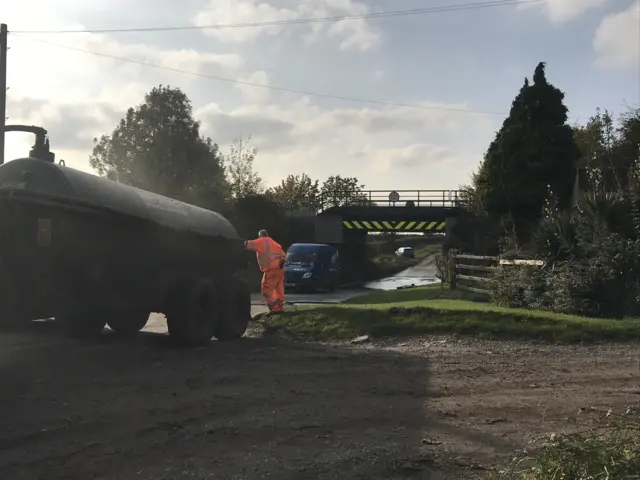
[421,274]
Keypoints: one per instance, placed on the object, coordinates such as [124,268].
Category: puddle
[392,283]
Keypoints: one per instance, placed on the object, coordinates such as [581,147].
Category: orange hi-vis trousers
[273,289]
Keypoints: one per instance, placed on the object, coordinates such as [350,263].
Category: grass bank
[428,310]
[604,444]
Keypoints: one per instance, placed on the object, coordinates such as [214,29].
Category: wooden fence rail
[472,272]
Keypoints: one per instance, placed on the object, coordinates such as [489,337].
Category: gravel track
[432,407]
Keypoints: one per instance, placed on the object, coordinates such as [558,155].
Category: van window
[335,259]
[301,258]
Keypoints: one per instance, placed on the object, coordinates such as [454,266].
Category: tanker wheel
[128,322]
[86,325]
[236,313]
[192,311]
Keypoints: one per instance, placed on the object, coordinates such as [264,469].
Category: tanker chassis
[93,252]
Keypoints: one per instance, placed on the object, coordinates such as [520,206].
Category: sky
[445,79]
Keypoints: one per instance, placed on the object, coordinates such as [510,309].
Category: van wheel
[88,325]
[128,322]
[192,312]
[235,313]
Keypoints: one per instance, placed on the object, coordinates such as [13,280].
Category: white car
[405,252]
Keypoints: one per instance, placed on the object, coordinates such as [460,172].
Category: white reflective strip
[269,256]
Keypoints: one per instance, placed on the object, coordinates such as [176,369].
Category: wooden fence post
[453,273]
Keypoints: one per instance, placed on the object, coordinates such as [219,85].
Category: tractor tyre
[128,322]
[236,313]
[192,312]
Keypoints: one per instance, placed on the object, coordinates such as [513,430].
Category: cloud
[26,75]
[562,11]
[268,132]
[409,146]
[78,97]
[71,126]
[617,39]
[253,94]
[377,145]
[414,156]
[47,66]
[351,34]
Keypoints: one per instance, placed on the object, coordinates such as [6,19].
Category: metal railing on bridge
[390,198]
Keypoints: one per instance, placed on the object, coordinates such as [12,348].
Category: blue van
[312,266]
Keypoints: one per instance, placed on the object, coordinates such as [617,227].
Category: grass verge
[415,294]
[427,310]
[603,445]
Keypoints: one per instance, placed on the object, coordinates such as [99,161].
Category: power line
[388,14]
[257,85]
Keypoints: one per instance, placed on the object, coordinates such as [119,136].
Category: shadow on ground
[257,408]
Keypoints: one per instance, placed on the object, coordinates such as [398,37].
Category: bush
[520,287]
[593,263]
[604,445]
[565,292]
[556,237]
[592,288]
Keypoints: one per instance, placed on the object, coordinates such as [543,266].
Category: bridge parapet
[391,198]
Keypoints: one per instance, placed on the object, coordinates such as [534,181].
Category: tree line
[568,194]
[158,146]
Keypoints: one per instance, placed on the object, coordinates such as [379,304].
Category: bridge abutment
[351,244]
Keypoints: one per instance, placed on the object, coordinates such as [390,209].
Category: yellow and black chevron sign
[396,226]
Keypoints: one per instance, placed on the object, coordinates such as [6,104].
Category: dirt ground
[265,407]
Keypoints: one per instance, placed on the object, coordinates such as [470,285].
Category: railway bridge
[347,221]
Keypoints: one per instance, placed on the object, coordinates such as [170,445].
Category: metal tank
[89,252]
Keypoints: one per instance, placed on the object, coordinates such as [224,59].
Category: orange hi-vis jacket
[269,253]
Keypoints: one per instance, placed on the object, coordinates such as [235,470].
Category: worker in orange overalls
[271,259]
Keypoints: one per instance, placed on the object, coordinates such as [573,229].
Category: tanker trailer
[93,252]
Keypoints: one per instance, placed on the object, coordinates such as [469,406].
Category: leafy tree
[243,181]
[533,151]
[609,151]
[629,137]
[472,197]
[255,212]
[598,144]
[297,193]
[340,191]
[158,147]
